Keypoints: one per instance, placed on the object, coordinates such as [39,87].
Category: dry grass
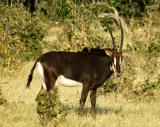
[112,110]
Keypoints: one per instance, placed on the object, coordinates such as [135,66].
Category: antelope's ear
[109,53]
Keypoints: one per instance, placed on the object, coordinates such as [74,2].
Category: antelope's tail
[31,75]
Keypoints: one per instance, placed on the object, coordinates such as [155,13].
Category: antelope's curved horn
[113,41]
[122,37]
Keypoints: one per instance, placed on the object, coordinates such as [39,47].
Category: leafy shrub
[110,86]
[49,107]
[20,35]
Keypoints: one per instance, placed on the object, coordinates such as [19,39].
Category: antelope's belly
[66,82]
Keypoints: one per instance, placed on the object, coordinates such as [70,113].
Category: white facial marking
[114,66]
[41,74]
[111,68]
[63,81]
[115,61]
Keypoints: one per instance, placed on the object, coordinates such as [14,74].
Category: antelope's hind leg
[93,102]
[47,78]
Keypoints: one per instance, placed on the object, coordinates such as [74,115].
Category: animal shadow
[109,110]
[99,110]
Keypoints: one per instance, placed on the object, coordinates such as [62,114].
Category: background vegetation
[29,28]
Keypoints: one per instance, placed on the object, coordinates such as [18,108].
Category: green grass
[112,110]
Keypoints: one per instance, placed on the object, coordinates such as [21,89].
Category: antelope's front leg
[84,94]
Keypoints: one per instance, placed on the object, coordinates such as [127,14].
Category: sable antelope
[89,68]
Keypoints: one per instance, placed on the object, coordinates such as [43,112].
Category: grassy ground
[112,110]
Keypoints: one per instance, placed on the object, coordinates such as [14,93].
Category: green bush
[49,107]
[110,86]
[20,35]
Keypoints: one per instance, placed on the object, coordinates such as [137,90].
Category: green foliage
[56,10]
[59,10]
[110,86]
[67,9]
[20,35]
[131,8]
[49,107]
[2,2]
